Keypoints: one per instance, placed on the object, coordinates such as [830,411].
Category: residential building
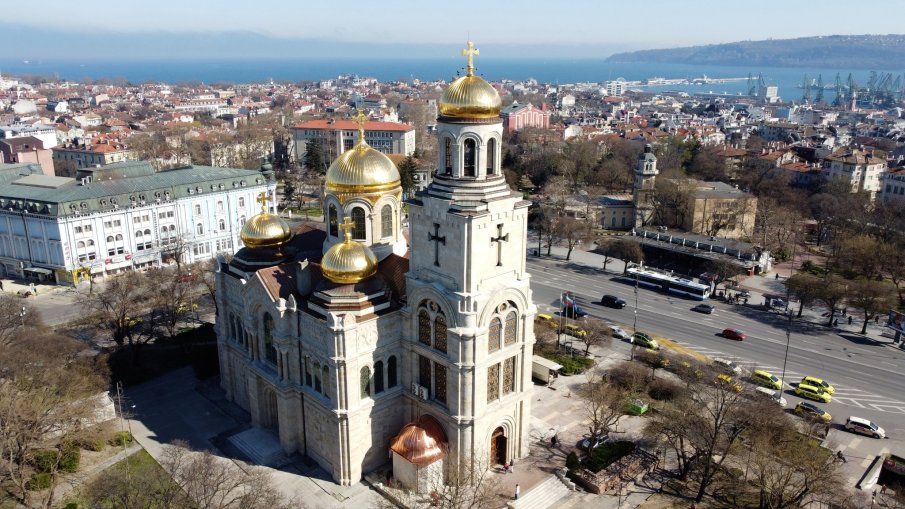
[718,209]
[89,155]
[46,133]
[121,216]
[27,149]
[519,116]
[336,136]
[893,187]
[857,168]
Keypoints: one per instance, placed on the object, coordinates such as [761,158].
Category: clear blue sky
[604,25]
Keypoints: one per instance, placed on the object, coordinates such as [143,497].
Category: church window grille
[424,327]
[491,156]
[511,328]
[308,380]
[509,375]
[317,377]
[358,223]
[386,221]
[493,337]
[470,156]
[440,383]
[232,326]
[391,372]
[326,374]
[493,382]
[333,220]
[424,371]
[270,351]
[378,377]
[447,153]
[440,333]
[365,382]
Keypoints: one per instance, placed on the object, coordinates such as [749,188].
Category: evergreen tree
[314,156]
[407,175]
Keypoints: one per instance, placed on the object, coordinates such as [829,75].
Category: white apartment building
[45,133]
[861,170]
[893,187]
[121,216]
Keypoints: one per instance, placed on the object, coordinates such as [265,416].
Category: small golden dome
[348,262]
[470,97]
[264,229]
[421,442]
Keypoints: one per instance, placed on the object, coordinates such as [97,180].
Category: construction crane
[752,88]
[838,100]
[819,97]
[806,85]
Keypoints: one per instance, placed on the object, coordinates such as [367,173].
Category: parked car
[727,365]
[589,443]
[575,331]
[766,379]
[618,333]
[575,311]
[812,392]
[734,334]
[864,427]
[812,411]
[773,395]
[546,319]
[819,382]
[730,382]
[611,301]
[642,339]
[704,308]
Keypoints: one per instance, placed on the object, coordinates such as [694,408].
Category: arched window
[447,154]
[119,237]
[440,333]
[491,155]
[511,328]
[110,238]
[333,221]
[270,351]
[365,382]
[90,242]
[493,337]
[199,229]
[147,231]
[358,223]
[173,227]
[317,377]
[138,234]
[326,373]
[470,156]
[386,221]
[80,245]
[378,377]
[424,328]
[391,372]
[222,224]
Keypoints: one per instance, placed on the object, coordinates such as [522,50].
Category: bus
[668,283]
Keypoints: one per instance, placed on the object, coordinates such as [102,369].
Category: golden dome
[470,97]
[264,229]
[421,442]
[361,169]
[348,262]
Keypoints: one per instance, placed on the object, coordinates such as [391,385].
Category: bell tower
[645,175]
[468,235]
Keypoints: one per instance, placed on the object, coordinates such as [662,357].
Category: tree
[314,156]
[119,308]
[136,482]
[871,297]
[859,255]
[623,249]
[805,287]
[407,175]
[171,294]
[670,202]
[572,231]
[11,320]
[598,333]
[603,405]
[547,228]
[470,484]
[831,292]
[725,270]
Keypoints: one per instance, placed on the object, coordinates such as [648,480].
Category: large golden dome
[264,229]
[361,169]
[470,97]
[348,262]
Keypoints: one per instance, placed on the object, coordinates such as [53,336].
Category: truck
[544,370]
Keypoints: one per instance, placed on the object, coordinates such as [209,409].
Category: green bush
[121,439]
[39,481]
[71,459]
[571,365]
[44,460]
[663,390]
[572,462]
[605,454]
[95,444]
[809,267]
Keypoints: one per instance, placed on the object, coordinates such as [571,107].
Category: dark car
[704,308]
[611,301]
[734,334]
[575,311]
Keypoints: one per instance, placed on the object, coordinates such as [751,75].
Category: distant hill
[878,52]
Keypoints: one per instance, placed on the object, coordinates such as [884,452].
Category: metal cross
[437,240]
[262,199]
[346,227]
[360,119]
[470,52]
[499,246]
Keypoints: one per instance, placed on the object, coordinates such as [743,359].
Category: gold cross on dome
[346,227]
[470,52]
[360,119]
[262,199]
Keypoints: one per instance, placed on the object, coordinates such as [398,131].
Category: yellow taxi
[819,383]
[575,331]
[732,384]
[545,319]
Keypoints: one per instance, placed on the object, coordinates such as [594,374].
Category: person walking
[506,467]
[849,319]
[512,466]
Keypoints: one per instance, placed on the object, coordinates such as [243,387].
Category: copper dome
[422,442]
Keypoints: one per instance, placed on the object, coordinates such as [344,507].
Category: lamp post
[635,323]
[22,313]
[782,381]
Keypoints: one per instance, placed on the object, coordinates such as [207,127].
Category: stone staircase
[543,496]
[260,446]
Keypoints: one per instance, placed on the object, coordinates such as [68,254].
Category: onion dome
[264,229]
[421,442]
[470,97]
[348,262]
[361,169]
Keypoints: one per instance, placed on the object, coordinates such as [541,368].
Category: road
[865,372]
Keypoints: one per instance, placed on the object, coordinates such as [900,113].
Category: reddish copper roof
[349,125]
[422,442]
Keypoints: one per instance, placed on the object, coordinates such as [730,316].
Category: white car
[728,365]
[618,333]
[773,395]
[864,427]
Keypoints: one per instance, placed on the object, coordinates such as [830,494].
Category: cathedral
[360,346]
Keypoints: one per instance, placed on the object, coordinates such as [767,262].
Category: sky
[421,28]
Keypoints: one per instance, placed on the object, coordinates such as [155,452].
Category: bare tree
[871,297]
[573,232]
[597,333]
[805,287]
[138,482]
[471,484]
[603,404]
[11,317]
[171,294]
[623,249]
[831,292]
[119,308]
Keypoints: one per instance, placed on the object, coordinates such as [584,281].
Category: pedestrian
[518,490]
[844,311]
[512,466]
[554,441]
[746,301]
[506,467]
[849,319]
[836,322]
[777,276]
[34,290]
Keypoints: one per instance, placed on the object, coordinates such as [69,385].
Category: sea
[557,72]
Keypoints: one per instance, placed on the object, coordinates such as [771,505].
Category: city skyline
[577,28]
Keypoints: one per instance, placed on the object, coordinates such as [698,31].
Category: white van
[544,370]
[864,427]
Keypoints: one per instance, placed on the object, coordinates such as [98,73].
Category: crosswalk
[845,395]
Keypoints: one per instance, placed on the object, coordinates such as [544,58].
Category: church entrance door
[498,447]
[270,411]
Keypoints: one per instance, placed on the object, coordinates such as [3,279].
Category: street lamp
[22,313]
[782,381]
[635,323]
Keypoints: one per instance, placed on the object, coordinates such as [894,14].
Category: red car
[734,334]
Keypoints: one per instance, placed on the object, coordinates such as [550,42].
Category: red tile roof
[350,125]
